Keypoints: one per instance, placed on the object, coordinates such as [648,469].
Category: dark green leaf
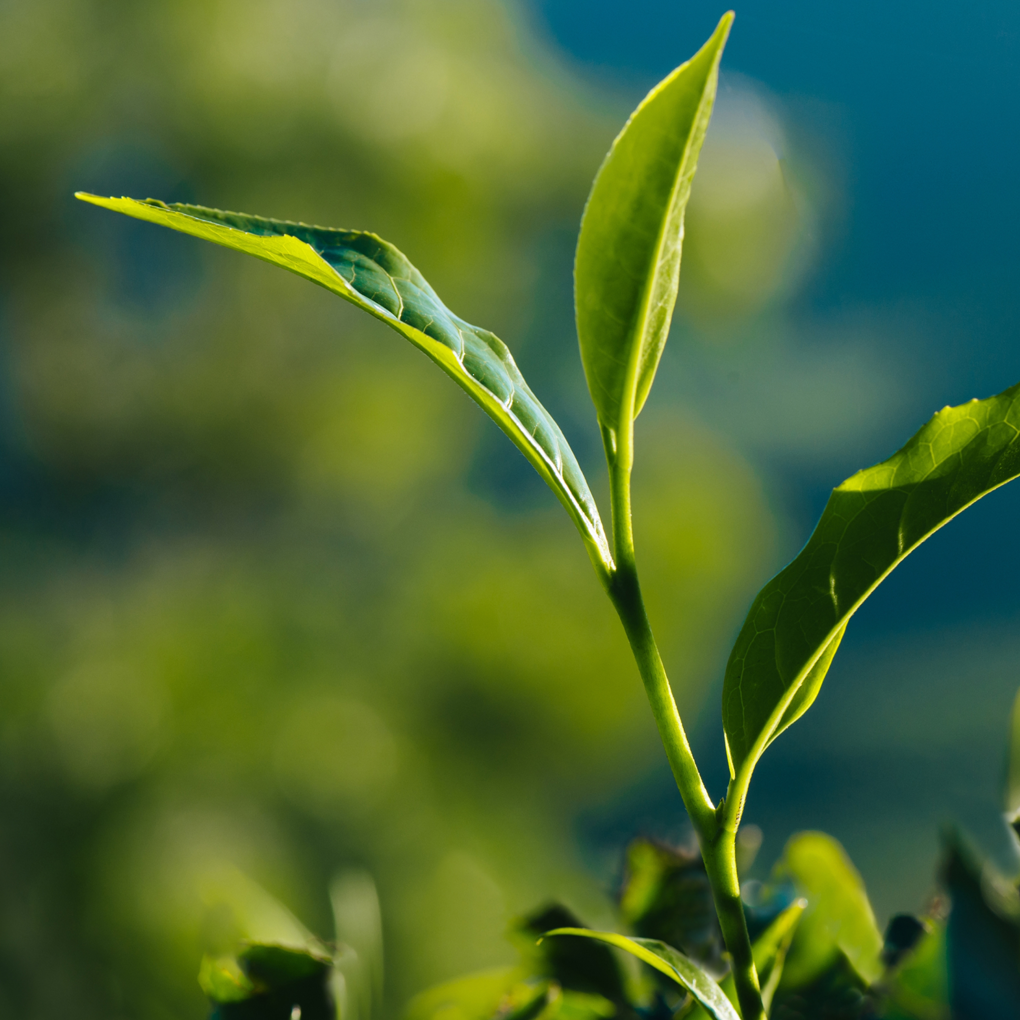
[375,276]
[684,971]
[983,939]
[838,919]
[269,982]
[666,895]
[576,965]
[871,522]
[838,993]
[628,254]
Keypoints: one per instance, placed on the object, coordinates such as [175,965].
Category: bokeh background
[275,597]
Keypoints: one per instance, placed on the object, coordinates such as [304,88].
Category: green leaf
[1012,797]
[982,938]
[268,982]
[628,255]
[684,971]
[838,919]
[580,966]
[666,895]
[769,951]
[375,276]
[473,997]
[871,522]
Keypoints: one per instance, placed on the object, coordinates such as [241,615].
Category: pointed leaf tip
[374,275]
[871,523]
[627,266]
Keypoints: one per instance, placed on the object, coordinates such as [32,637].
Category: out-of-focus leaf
[837,993]
[278,984]
[357,921]
[669,961]
[581,966]
[871,522]
[628,253]
[506,995]
[983,942]
[1012,797]
[666,896]
[222,979]
[474,997]
[838,918]
[918,988]
[374,275]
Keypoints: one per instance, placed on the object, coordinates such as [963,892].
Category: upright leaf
[838,919]
[628,254]
[870,524]
[669,961]
[1012,792]
[372,274]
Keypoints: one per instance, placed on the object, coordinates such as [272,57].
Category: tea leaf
[838,919]
[870,524]
[372,274]
[684,971]
[628,255]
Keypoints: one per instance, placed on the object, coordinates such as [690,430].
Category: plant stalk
[720,859]
[716,829]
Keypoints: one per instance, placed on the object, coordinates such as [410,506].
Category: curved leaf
[628,255]
[372,274]
[838,919]
[871,522]
[684,971]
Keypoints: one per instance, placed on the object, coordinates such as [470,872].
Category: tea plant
[752,958]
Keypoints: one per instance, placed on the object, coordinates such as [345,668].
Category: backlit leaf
[838,918]
[870,524]
[375,276]
[628,254]
[683,970]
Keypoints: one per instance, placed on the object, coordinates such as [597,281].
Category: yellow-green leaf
[372,274]
[628,254]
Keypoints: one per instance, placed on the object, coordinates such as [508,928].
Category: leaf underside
[628,254]
[374,275]
[871,522]
[684,971]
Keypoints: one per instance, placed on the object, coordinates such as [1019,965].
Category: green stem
[721,864]
[716,836]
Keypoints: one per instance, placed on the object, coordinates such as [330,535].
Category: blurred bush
[274,596]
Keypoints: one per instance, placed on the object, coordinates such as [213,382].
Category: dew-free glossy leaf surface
[669,961]
[372,274]
[870,524]
[628,255]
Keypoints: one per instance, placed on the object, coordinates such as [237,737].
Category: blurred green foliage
[260,612]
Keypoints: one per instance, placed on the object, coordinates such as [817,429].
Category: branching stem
[716,828]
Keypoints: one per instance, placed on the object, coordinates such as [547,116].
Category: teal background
[275,598]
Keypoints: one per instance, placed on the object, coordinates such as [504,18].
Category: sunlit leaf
[628,254]
[683,970]
[838,918]
[375,276]
[472,997]
[871,522]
